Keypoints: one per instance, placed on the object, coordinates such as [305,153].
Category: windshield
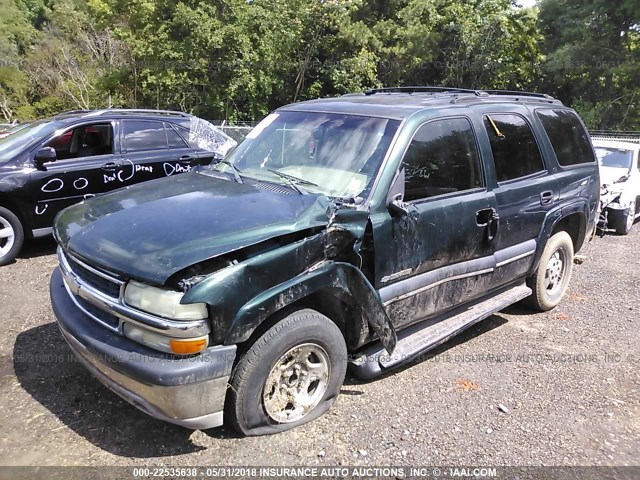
[12,144]
[333,154]
[614,157]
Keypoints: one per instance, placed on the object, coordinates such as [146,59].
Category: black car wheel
[550,282]
[291,375]
[11,236]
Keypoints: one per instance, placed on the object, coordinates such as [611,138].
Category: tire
[11,236]
[271,373]
[624,221]
[550,282]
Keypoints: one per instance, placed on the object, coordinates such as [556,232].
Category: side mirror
[396,194]
[45,155]
[398,206]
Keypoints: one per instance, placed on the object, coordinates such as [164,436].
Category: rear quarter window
[567,135]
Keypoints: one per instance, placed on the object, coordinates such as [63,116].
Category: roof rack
[135,111]
[478,93]
[519,94]
[419,88]
[72,112]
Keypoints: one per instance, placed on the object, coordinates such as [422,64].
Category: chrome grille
[100,295]
[101,316]
[93,279]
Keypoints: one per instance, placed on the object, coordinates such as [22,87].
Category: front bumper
[187,391]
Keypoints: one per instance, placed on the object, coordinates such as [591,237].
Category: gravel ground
[560,388]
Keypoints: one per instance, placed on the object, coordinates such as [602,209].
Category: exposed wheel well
[575,225]
[350,320]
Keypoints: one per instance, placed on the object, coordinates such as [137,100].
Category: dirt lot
[568,379]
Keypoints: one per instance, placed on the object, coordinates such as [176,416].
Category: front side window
[568,137]
[515,151]
[333,154]
[84,141]
[442,158]
[144,135]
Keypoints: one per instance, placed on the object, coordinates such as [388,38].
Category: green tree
[593,58]
[17,35]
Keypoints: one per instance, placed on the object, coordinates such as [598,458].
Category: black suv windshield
[614,157]
[13,143]
[333,154]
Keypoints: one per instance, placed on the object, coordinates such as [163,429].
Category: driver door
[87,164]
[439,254]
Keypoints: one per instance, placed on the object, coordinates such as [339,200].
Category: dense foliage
[238,59]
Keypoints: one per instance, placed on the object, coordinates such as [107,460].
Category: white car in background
[619,163]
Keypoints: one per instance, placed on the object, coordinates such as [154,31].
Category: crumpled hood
[609,175]
[154,229]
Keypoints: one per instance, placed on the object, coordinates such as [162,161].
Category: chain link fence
[237,131]
[615,135]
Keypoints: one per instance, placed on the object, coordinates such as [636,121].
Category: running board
[415,340]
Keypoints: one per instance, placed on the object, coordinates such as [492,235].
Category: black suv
[50,164]
[361,230]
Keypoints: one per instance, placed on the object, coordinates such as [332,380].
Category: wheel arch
[571,218]
[337,290]
[14,207]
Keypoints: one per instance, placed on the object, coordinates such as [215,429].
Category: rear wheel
[11,236]
[291,375]
[550,282]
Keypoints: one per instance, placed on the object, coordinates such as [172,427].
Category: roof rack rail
[136,111]
[71,112]
[517,93]
[419,88]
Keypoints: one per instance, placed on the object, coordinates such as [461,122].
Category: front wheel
[625,222]
[11,236]
[291,375]
[550,282]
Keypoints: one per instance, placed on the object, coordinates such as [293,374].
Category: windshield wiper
[236,170]
[293,181]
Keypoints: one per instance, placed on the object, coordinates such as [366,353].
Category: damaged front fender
[243,295]
[338,278]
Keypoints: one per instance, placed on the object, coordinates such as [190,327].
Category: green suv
[357,231]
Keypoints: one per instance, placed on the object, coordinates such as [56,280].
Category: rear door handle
[546,197]
[110,167]
[184,158]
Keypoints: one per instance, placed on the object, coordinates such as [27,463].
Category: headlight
[182,346]
[165,303]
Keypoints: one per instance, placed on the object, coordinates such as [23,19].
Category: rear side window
[174,140]
[442,158]
[568,137]
[143,135]
[515,151]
